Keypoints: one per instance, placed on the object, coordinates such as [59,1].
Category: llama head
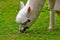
[23,16]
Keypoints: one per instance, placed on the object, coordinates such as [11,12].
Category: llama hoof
[50,28]
[22,30]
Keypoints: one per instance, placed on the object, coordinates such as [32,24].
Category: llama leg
[52,14]
[52,19]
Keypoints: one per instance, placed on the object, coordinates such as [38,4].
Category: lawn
[38,31]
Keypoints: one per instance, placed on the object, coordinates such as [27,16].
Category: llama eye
[28,20]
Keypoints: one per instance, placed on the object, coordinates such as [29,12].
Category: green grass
[38,31]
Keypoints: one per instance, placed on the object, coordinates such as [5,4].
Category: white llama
[28,13]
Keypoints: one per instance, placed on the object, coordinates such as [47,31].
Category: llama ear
[21,4]
[29,9]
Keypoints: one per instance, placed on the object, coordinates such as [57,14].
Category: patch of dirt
[2,5]
[13,36]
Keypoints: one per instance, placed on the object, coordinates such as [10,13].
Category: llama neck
[35,4]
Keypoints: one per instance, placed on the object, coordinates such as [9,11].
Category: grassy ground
[38,31]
